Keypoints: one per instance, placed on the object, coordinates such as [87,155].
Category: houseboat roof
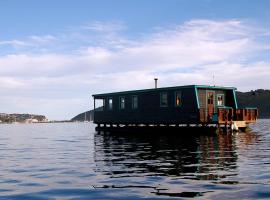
[162,89]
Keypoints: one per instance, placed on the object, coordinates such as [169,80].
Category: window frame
[175,99]
[212,99]
[160,99]
[223,100]
[132,102]
[120,103]
[110,107]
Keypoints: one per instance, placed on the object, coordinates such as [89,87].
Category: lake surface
[72,161]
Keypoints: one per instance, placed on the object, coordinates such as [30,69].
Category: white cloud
[183,54]
[13,43]
[10,83]
[107,27]
[42,39]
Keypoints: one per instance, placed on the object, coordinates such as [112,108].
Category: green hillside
[22,118]
[85,116]
[259,98]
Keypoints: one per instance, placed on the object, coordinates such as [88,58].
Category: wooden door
[210,105]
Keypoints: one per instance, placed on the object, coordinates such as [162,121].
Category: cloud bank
[56,74]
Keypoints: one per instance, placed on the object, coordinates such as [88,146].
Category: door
[210,105]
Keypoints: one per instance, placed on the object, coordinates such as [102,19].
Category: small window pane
[210,98]
[110,103]
[134,102]
[164,99]
[122,102]
[178,98]
[220,100]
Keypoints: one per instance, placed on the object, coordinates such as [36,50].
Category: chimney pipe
[156,79]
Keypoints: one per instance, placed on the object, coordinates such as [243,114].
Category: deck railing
[227,114]
[246,114]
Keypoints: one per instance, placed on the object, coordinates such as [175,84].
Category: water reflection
[218,157]
[128,155]
[62,161]
[173,157]
[246,139]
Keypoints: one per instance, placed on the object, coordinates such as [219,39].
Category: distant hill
[85,116]
[259,98]
[22,118]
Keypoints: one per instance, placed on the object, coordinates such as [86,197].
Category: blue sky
[55,54]
[30,17]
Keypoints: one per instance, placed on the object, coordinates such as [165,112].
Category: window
[210,98]
[110,103]
[163,99]
[99,104]
[134,102]
[178,99]
[122,102]
[220,100]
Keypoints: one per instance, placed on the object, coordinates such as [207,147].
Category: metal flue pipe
[156,79]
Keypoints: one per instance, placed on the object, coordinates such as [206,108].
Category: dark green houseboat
[180,106]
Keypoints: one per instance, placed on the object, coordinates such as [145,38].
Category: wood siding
[228,97]
[202,98]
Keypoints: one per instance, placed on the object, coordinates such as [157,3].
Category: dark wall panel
[149,110]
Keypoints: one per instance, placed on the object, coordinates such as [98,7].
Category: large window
[163,99]
[134,102]
[110,103]
[122,102]
[178,99]
[220,100]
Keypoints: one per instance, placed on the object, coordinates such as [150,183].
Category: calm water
[71,161]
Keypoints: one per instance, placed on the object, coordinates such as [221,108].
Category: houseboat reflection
[200,157]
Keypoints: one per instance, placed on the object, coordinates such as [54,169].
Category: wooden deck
[228,115]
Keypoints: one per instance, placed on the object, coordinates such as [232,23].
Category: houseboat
[179,106]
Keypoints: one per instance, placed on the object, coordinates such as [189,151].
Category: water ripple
[72,161]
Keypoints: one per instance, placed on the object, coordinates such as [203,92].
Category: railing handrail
[228,114]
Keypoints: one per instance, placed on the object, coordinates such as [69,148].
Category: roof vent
[156,79]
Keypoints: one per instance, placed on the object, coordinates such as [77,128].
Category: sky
[55,54]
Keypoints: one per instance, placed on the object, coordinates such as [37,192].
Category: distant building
[31,121]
